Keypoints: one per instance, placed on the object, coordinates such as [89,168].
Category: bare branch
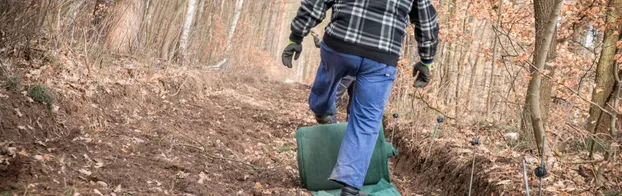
[571,90]
[558,83]
[432,107]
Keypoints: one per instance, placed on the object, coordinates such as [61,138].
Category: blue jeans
[373,86]
[345,85]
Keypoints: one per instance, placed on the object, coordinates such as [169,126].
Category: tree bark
[448,73]
[491,88]
[280,30]
[444,76]
[124,26]
[464,59]
[605,77]
[169,36]
[546,15]
[200,12]
[269,31]
[475,68]
[147,23]
[101,9]
[208,26]
[234,24]
[185,33]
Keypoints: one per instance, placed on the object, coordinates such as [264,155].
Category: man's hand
[423,78]
[292,50]
[316,39]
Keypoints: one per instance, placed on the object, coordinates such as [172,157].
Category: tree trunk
[124,26]
[185,33]
[269,30]
[491,84]
[300,68]
[147,23]
[280,30]
[546,13]
[464,58]
[605,80]
[101,9]
[169,36]
[200,12]
[474,68]
[448,73]
[234,24]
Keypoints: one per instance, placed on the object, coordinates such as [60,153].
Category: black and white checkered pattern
[372,24]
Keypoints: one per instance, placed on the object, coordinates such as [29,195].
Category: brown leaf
[19,113]
[98,165]
[24,153]
[97,192]
[258,185]
[202,177]
[504,182]
[85,172]
[598,90]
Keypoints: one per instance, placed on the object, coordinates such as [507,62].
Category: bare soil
[238,138]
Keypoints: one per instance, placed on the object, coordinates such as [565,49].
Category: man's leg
[344,85]
[350,97]
[373,86]
[333,67]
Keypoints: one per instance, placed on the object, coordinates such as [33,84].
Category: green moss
[611,193]
[42,94]
[69,191]
[6,193]
[286,147]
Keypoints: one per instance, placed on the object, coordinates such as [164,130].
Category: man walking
[345,84]
[362,40]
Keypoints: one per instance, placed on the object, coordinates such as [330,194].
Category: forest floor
[174,131]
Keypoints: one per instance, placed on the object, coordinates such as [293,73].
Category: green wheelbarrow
[318,148]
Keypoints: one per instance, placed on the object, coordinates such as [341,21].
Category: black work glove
[423,79]
[292,50]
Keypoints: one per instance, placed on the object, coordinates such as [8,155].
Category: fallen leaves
[258,185]
[85,172]
[202,178]
[102,184]
[23,153]
[97,192]
[44,157]
[18,112]
[98,165]
[504,182]
[7,152]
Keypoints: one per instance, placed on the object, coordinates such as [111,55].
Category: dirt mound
[447,171]
[38,139]
[125,139]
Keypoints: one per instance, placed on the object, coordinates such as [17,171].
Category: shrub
[42,94]
[13,83]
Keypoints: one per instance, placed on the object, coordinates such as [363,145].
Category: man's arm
[423,15]
[310,14]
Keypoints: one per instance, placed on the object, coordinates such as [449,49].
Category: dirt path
[233,140]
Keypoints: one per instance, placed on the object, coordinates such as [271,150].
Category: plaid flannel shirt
[370,28]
